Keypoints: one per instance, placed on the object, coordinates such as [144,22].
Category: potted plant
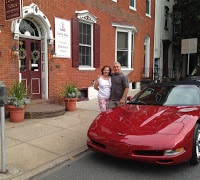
[71,95]
[17,101]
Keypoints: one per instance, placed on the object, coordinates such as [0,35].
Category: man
[119,88]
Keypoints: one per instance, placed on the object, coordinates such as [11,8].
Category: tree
[186,20]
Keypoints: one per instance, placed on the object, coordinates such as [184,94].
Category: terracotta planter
[70,104]
[16,114]
[8,109]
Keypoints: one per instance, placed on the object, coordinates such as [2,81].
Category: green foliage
[71,91]
[189,21]
[189,17]
[18,95]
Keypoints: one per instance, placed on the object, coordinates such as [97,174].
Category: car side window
[183,96]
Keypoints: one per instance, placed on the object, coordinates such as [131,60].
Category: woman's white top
[104,87]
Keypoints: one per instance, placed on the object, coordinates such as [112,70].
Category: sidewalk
[36,145]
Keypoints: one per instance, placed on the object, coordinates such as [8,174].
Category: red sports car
[160,125]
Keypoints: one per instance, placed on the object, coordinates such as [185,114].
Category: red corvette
[160,125]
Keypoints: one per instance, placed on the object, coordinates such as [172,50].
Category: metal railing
[156,74]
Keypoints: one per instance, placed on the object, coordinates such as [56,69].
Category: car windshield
[182,95]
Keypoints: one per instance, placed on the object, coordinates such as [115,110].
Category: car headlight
[174,152]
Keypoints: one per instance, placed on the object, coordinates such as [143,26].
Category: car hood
[143,120]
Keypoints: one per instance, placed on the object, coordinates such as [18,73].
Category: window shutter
[75,43]
[96,45]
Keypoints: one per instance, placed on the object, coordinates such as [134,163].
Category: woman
[103,85]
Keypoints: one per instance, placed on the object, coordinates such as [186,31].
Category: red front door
[30,65]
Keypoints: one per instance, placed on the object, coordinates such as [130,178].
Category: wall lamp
[53,53]
[14,51]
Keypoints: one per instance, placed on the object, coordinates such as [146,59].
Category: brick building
[62,41]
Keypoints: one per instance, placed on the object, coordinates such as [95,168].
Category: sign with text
[62,38]
[189,46]
[13,9]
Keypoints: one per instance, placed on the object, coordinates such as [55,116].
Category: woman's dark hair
[106,67]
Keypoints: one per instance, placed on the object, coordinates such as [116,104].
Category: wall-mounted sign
[13,9]
[62,38]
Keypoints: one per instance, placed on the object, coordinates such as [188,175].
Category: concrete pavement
[36,145]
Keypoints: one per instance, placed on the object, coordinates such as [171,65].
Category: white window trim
[131,30]
[147,56]
[129,46]
[133,7]
[114,0]
[85,16]
[86,67]
[149,15]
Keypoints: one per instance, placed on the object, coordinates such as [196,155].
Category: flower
[71,91]
[13,100]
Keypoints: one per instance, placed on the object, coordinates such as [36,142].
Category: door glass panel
[35,55]
[22,55]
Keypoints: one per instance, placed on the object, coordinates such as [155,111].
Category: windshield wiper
[137,102]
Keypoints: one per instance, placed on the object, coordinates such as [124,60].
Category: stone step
[38,109]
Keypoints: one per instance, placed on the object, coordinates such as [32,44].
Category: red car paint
[144,132]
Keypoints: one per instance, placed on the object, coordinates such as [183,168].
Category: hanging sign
[62,38]
[13,9]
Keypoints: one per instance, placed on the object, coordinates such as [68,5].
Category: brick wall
[60,70]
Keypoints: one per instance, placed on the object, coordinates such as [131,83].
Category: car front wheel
[196,146]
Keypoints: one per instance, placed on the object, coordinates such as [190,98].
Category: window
[148,7]
[132,4]
[85,41]
[166,17]
[177,23]
[124,45]
[28,28]
[85,44]
[146,56]
[122,48]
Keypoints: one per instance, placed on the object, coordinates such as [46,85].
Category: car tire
[196,146]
